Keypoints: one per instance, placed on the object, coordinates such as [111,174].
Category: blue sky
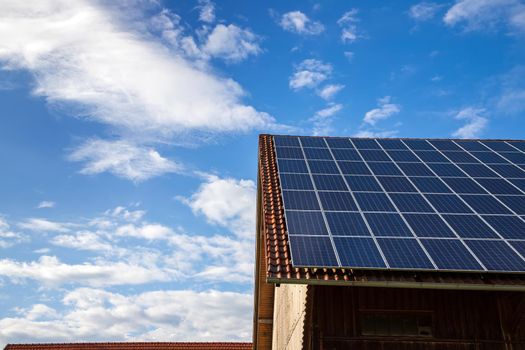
[128,140]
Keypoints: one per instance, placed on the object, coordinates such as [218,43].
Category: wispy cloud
[487,14]
[385,110]
[207,11]
[348,24]
[309,74]
[323,118]
[329,91]
[45,225]
[298,22]
[476,123]
[424,11]
[8,237]
[46,204]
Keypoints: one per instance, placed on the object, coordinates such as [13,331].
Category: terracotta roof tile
[278,259]
[132,346]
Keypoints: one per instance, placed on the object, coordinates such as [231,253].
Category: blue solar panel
[313,251]
[411,203]
[305,223]
[404,253]
[430,184]
[448,203]
[292,166]
[346,224]
[363,183]
[354,168]
[337,201]
[317,153]
[358,252]
[463,185]
[289,152]
[415,169]
[313,142]
[323,167]
[450,254]
[339,143]
[296,182]
[510,227]
[300,200]
[497,255]
[383,224]
[374,156]
[470,226]
[373,202]
[396,184]
[403,204]
[403,156]
[428,225]
[384,168]
[345,154]
[330,183]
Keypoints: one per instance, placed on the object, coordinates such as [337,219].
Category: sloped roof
[279,268]
[131,346]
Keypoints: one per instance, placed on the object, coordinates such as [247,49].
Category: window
[396,323]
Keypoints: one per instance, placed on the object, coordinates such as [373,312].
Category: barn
[390,244]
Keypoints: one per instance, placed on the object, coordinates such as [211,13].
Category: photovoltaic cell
[337,201]
[363,183]
[510,227]
[373,202]
[300,200]
[470,226]
[354,168]
[358,252]
[496,255]
[430,184]
[313,251]
[479,197]
[346,224]
[404,253]
[450,254]
[428,225]
[306,223]
[383,224]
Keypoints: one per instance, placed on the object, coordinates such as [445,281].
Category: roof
[132,346]
[279,268]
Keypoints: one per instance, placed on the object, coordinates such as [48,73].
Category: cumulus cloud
[46,204]
[424,11]
[385,110]
[486,14]
[309,73]
[123,159]
[348,24]
[475,123]
[322,119]
[89,314]
[298,22]
[329,91]
[232,43]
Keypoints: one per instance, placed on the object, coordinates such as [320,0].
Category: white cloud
[44,225]
[123,159]
[385,110]
[51,272]
[83,240]
[486,14]
[207,11]
[475,123]
[349,55]
[424,11]
[371,133]
[298,22]
[96,314]
[9,238]
[146,231]
[46,204]
[347,22]
[309,73]
[322,119]
[329,91]
[232,43]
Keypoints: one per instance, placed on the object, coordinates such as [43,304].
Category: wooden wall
[461,320]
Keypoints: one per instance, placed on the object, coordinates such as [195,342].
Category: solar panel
[450,205]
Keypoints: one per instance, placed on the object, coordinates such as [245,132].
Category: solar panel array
[413,204]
